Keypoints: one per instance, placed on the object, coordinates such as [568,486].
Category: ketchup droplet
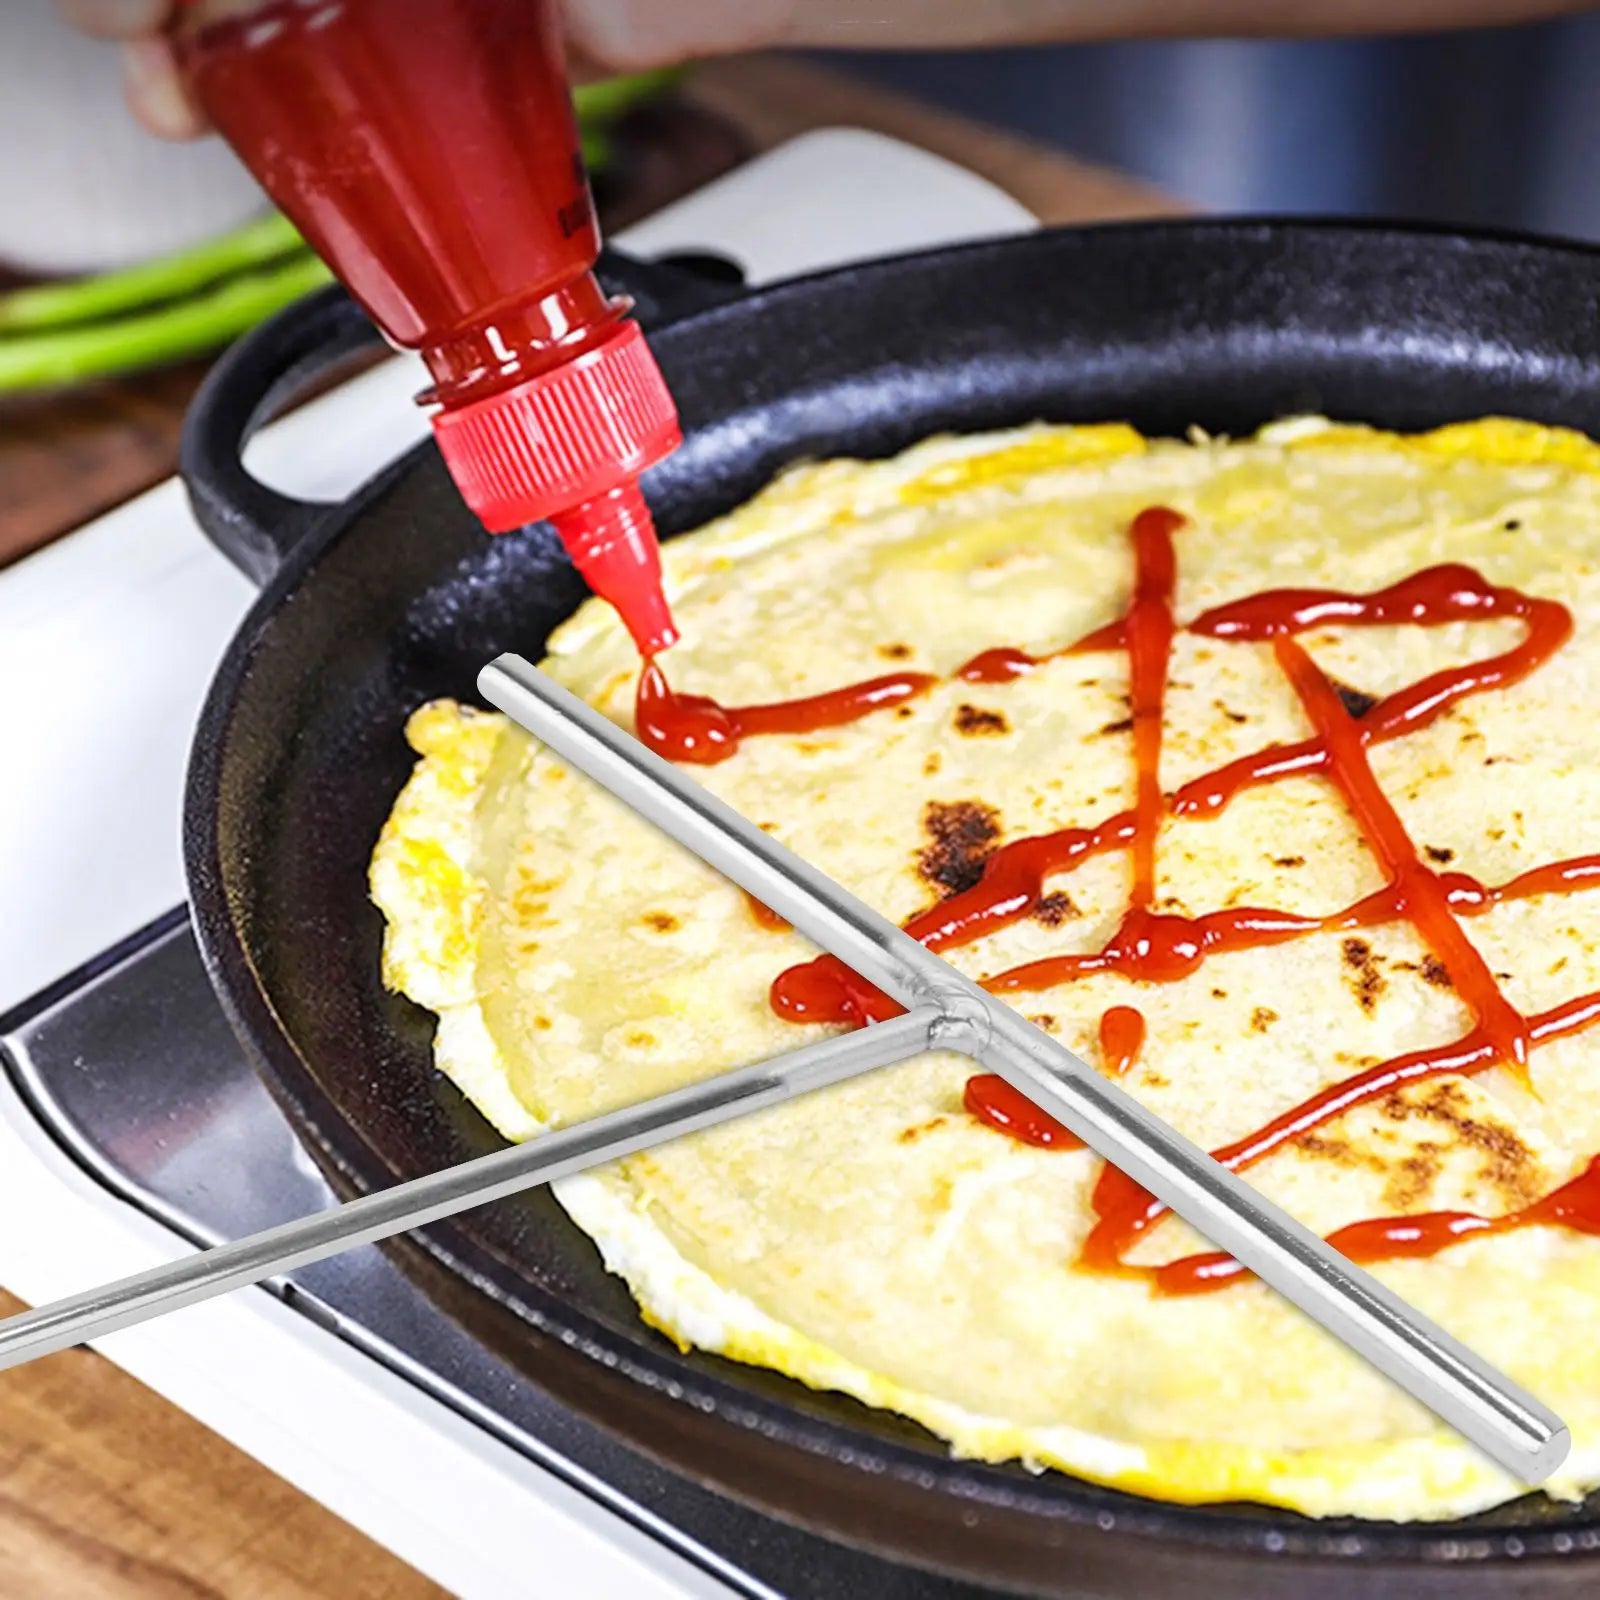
[682,727]
[1122,1032]
[765,916]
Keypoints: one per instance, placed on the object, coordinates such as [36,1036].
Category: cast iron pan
[373,606]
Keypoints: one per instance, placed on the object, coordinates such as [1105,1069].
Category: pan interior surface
[400,601]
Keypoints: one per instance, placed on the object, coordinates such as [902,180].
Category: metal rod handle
[420,1201]
[1498,1416]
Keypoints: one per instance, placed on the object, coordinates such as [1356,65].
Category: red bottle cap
[568,446]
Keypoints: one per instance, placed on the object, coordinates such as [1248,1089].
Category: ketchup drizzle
[1126,1210]
[694,728]
[1450,593]
[1159,948]
[1147,630]
[1575,1205]
[999,665]
[825,990]
[1418,892]
[992,1100]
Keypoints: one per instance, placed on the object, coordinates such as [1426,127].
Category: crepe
[878,1238]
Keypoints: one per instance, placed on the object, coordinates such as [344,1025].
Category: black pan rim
[1270,1533]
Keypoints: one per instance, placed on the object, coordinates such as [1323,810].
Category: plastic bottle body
[429,153]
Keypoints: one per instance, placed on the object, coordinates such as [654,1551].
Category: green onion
[602,105]
[53,358]
[56,305]
[192,302]
[603,102]
[596,146]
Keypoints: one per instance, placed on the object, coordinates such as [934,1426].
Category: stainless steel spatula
[944,1010]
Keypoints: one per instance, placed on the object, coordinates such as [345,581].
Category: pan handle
[256,526]
[676,286]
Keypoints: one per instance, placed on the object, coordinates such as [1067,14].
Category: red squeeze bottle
[428,151]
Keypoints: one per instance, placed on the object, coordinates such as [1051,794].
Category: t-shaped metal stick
[944,1010]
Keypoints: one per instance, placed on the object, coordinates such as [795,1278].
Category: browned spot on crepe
[980,721]
[1055,908]
[963,835]
[1362,974]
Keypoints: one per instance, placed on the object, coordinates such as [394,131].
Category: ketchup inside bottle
[428,151]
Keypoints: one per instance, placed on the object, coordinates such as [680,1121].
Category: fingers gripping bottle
[427,150]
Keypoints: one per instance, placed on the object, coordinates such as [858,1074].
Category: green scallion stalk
[192,302]
[596,144]
[56,357]
[605,101]
[111,294]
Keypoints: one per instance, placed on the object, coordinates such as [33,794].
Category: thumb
[117,19]
[156,91]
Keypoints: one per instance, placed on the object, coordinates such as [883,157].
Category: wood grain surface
[107,1492]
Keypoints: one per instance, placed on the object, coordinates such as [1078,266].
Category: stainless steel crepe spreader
[945,1010]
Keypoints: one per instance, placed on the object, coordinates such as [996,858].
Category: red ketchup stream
[1154,947]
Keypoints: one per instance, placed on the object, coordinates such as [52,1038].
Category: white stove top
[107,643]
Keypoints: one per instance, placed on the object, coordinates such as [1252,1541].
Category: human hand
[150,75]
[605,38]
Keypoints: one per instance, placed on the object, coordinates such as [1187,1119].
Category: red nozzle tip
[569,445]
[612,542]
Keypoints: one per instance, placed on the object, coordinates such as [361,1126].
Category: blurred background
[1498,127]
[126,263]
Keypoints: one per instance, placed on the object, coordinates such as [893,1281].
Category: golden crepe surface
[877,1238]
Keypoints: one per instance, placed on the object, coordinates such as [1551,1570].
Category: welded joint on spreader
[963,1025]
